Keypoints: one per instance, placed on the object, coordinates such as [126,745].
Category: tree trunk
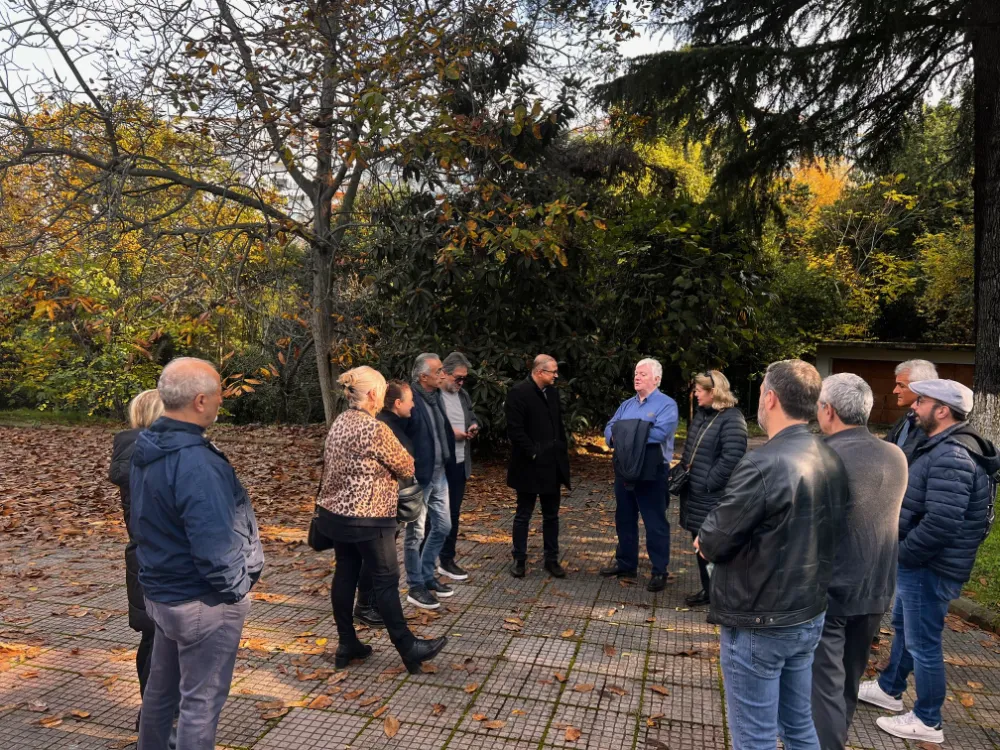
[985,32]
[321,322]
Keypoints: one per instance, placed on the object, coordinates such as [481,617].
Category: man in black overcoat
[539,460]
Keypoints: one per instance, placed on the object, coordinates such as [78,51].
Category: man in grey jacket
[864,569]
[465,426]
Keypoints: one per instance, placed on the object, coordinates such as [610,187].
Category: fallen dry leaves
[390,726]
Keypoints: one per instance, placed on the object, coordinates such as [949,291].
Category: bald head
[191,391]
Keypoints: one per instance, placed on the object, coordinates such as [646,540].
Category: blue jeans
[648,498]
[922,598]
[412,538]
[439,519]
[768,680]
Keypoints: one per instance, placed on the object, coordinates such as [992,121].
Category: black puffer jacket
[774,535]
[121,461]
[723,444]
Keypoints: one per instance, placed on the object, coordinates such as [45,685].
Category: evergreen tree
[776,81]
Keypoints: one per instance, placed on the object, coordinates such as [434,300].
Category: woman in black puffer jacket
[145,409]
[716,441]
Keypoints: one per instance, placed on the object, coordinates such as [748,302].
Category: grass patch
[35,418]
[984,586]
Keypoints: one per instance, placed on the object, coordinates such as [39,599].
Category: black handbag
[680,474]
[316,538]
[410,505]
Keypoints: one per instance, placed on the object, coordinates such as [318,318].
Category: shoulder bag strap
[700,438]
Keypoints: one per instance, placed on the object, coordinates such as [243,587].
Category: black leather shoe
[617,570]
[423,649]
[697,600]
[517,569]
[555,569]
[657,582]
[346,653]
[368,616]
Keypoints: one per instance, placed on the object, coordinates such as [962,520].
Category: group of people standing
[802,544]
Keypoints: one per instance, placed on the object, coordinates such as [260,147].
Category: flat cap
[948,392]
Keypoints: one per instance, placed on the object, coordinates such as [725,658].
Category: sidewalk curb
[976,614]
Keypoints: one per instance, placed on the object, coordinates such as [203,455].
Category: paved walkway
[532,663]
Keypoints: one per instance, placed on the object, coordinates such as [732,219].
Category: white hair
[849,395]
[421,365]
[655,367]
[178,390]
[919,369]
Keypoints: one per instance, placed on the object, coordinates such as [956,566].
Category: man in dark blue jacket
[946,515]
[199,554]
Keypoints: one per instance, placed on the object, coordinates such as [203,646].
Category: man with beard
[947,512]
[773,538]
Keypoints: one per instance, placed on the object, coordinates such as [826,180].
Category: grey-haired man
[864,566]
[464,426]
[906,433]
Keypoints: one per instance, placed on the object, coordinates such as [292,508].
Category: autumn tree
[777,81]
[327,97]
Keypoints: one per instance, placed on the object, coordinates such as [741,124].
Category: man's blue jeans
[649,498]
[768,680]
[438,518]
[412,538]
[922,598]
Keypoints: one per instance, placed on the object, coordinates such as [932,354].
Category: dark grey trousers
[194,653]
[838,666]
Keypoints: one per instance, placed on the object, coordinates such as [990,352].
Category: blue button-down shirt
[657,408]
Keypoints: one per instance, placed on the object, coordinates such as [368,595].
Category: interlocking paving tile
[682,735]
[20,730]
[607,693]
[523,719]
[683,670]
[29,683]
[599,730]
[85,654]
[306,729]
[695,705]
[113,703]
[409,736]
[622,665]
[426,704]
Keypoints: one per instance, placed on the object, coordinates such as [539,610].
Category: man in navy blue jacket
[946,515]
[199,555]
[648,495]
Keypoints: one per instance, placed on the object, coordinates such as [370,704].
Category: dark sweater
[864,568]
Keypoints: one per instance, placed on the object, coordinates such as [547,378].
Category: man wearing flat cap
[947,512]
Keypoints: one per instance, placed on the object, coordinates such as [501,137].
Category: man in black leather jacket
[772,540]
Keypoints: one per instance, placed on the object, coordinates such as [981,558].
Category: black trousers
[838,666]
[455,473]
[375,550]
[550,524]
[706,581]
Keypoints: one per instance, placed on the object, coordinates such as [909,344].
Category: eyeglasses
[924,399]
[708,374]
[552,372]
[460,379]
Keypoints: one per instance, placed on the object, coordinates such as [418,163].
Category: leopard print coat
[362,462]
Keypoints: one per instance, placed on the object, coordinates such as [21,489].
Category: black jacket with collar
[915,437]
[539,455]
[773,537]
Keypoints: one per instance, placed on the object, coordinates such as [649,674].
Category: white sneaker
[909,727]
[870,692]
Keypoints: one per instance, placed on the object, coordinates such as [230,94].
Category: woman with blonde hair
[716,441]
[356,512]
[144,409]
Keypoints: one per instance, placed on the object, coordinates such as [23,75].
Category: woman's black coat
[121,461]
[721,448]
